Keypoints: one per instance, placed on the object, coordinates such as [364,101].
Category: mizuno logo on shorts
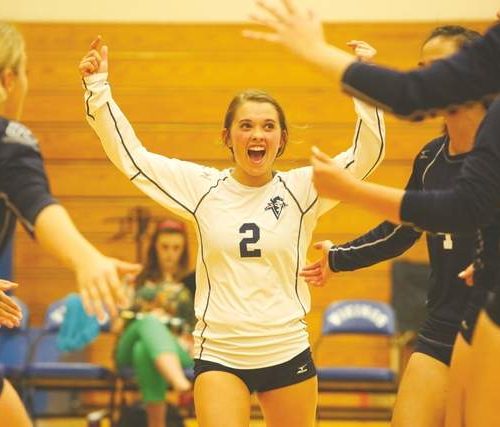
[302,369]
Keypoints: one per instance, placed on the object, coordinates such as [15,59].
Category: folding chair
[360,318]
[46,371]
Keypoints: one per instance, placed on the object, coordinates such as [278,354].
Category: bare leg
[12,409]
[292,406]
[221,400]
[482,401]
[459,374]
[421,399]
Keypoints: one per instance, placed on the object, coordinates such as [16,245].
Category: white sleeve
[368,147]
[367,150]
[175,184]
[362,158]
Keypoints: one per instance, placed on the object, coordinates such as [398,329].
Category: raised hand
[363,51]
[96,59]
[330,180]
[293,26]
[317,273]
[10,312]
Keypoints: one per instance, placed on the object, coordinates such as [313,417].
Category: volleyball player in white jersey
[254,226]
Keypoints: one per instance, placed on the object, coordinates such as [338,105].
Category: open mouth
[256,154]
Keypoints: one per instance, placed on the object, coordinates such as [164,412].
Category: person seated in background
[155,333]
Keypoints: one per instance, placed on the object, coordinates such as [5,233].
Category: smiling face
[255,138]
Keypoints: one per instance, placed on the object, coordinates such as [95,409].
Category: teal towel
[78,329]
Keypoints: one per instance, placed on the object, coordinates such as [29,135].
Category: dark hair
[151,270]
[255,95]
[463,36]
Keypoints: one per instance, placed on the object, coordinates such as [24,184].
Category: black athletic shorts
[296,370]
[436,339]
[469,321]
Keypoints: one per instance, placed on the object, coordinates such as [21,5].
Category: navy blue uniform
[434,168]
[471,74]
[24,187]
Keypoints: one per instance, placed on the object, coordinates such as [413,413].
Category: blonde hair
[11,51]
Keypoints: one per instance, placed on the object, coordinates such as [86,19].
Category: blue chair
[46,370]
[359,318]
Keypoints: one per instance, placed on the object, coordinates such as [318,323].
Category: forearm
[378,199]
[330,60]
[58,235]
[469,75]
[384,242]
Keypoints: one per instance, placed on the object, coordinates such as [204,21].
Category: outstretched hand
[10,312]
[317,273]
[363,51]
[330,180]
[96,59]
[99,280]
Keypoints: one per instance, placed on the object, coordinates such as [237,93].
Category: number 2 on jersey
[245,252]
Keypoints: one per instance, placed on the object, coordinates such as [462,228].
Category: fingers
[290,6]
[259,35]
[95,43]
[10,312]
[310,267]
[91,62]
[104,53]
[320,156]
[270,10]
[87,305]
[6,285]
[468,275]
[95,302]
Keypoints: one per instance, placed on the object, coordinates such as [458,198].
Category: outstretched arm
[469,75]
[471,203]
[175,184]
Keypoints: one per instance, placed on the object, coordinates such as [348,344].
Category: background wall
[238,10]
[174,83]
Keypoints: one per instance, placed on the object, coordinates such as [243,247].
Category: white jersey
[252,242]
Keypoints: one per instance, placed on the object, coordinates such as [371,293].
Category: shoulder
[431,149]
[16,133]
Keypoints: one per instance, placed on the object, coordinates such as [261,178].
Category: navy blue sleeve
[470,75]
[386,241]
[472,201]
[23,182]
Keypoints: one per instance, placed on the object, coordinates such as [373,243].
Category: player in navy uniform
[470,75]
[424,389]
[25,196]
[254,226]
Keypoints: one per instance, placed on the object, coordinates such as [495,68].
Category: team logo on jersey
[276,205]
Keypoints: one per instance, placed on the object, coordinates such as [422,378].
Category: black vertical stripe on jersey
[358,130]
[382,143]
[175,200]
[88,99]
[302,213]
[140,171]
[203,339]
